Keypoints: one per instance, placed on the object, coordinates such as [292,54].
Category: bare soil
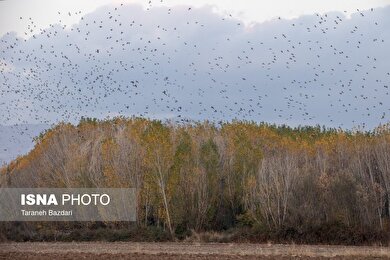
[162,251]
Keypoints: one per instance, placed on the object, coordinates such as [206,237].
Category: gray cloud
[326,70]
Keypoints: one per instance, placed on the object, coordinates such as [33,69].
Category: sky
[45,12]
[313,62]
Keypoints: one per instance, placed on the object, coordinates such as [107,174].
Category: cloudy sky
[316,62]
[45,12]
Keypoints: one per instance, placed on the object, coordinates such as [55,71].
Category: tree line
[215,177]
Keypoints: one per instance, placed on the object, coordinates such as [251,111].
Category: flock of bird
[187,64]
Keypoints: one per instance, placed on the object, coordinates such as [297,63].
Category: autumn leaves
[207,177]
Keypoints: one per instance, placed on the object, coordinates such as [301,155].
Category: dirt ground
[163,251]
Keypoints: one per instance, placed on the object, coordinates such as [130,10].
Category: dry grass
[127,250]
[209,237]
